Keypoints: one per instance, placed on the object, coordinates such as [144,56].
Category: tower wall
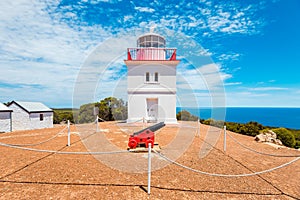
[151,80]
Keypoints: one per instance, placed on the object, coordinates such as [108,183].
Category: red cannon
[143,137]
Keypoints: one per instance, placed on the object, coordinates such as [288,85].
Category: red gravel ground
[42,175]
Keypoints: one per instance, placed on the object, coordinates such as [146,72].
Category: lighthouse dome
[151,40]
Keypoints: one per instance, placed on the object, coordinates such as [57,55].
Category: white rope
[225,175]
[35,144]
[258,152]
[101,119]
[115,122]
[62,152]
[213,131]
[135,121]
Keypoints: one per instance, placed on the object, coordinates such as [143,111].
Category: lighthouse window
[147,76]
[156,77]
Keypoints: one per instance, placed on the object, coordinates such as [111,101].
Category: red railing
[151,54]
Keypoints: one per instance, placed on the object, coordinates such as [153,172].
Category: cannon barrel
[152,128]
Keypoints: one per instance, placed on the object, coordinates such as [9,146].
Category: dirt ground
[26,173]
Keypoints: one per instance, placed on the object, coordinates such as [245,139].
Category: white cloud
[262,99]
[225,19]
[44,53]
[233,83]
[229,57]
[37,49]
[268,89]
[144,9]
[205,84]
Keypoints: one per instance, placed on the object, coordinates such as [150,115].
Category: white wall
[5,121]
[22,120]
[35,122]
[164,90]
[166,76]
[137,107]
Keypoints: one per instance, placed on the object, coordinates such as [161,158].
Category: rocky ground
[26,174]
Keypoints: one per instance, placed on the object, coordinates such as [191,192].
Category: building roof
[32,106]
[4,108]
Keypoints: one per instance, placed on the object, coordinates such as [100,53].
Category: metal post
[69,134]
[198,128]
[97,128]
[224,138]
[143,122]
[149,167]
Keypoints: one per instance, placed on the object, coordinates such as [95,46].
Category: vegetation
[287,138]
[250,128]
[111,108]
[186,116]
[212,122]
[63,115]
[108,109]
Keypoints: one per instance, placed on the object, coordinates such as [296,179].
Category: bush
[186,116]
[60,115]
[297,145]
[251,128]
[286,137]
[109,109]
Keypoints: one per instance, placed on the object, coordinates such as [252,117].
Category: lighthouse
[151,80]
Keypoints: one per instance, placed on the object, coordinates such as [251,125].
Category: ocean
[275,117]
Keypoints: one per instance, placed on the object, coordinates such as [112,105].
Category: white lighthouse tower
[151,80]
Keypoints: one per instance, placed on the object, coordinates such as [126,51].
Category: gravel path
[34,175]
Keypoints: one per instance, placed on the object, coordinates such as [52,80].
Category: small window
[147,76]
[41,117]
[156,77]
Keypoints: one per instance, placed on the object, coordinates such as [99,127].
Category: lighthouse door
[152,109]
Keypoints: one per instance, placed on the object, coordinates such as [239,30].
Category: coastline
[286,117]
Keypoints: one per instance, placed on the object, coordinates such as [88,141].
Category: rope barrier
[135,121]
[213,131]
[35,144]
[115,122]
[101,119]
[19,146]
[225,175]
[258,152]
[62,152]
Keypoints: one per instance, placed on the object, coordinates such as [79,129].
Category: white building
[151,80]
[5,118]
[30,115]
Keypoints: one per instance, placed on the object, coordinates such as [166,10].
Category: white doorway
[152,109]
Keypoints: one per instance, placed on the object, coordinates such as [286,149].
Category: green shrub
[297,145]
[186,116]
[212,122]
[60,115]
[251,128]
[286,137]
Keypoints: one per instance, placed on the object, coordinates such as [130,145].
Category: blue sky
[254,48]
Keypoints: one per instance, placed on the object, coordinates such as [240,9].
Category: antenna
[153,26]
